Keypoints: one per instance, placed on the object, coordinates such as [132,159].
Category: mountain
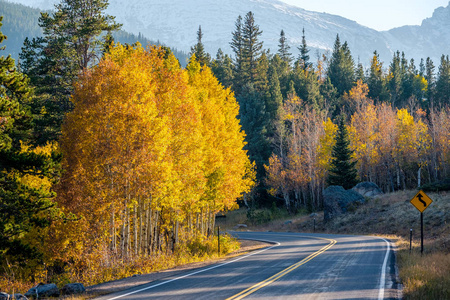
[176,22]
[431,38]
[21,21]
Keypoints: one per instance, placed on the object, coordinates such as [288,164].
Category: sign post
[421,201]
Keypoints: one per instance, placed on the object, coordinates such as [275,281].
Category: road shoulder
[137,280]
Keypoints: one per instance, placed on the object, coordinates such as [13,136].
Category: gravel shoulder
[131,282]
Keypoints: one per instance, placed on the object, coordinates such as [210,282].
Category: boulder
[367,189]
[5,296]
[240,226]
[337,200]
[43,290]
[73,288]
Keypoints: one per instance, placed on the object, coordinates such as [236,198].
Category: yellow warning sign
[421,201]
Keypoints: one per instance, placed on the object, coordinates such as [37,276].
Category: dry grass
[425,277]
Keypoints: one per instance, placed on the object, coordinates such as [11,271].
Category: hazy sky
[376,14]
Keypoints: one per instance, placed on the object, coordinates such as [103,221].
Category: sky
[376,14]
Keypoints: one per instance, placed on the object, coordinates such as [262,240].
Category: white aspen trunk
[245,200]
[135,225]
[196,223]
[123,233]
[146,231]
[418,176]
[127,241]
[141,230]
[113,230]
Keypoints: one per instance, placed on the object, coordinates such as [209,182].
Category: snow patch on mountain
[175,23]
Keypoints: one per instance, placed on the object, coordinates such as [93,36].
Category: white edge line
[383,272]
[200,271]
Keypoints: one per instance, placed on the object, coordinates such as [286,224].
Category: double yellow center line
[277,276]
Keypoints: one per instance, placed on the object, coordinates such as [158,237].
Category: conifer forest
[114,156]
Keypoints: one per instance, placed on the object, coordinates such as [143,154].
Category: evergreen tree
[251,48]
[341,70]
[375,81]
[261,80]
[237,47]
[360,75]
[329,94]
[430,78]
[73,39]
[23,208]
[443,82]
[342,171]
[395,79]
[283,49]
[303,58]
[222,67]
[274,102]
[254,119]
[199,50]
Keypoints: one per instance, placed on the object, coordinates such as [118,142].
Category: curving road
[296,266]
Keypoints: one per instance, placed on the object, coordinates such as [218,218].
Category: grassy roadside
[424,276]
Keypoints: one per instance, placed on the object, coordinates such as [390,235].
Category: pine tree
[395,79]
[342,171]
[303,58]
[222,67]
[24,207]
[251,47]
[199,50]
[443,82]
[237,47]
[431,80]
[73,40]
[341,70]
[375,81]
[360,75]
[283,49]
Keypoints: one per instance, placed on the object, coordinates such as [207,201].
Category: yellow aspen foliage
[413,138]
[149,149]
[356,98]
[362,133]
[278,178]
[327,142]
[223,140]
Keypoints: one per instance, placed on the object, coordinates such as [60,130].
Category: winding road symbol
[421,201]
[419,196]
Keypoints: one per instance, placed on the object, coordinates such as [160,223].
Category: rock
[313,215]
[240,226]
[367,189]
[73,288]
[5,296]
[43,290]
[337,201]
[288,222]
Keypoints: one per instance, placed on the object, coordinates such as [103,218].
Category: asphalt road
[297,266]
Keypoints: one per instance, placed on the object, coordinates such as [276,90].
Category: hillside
[20,21]
[175,23]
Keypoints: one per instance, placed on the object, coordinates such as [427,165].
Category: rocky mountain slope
[176,22]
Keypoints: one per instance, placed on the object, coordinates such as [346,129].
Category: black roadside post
[314,225]
[410,240]
[421,233]
[218,240]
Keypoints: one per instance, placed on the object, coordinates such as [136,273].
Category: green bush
[438,186]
